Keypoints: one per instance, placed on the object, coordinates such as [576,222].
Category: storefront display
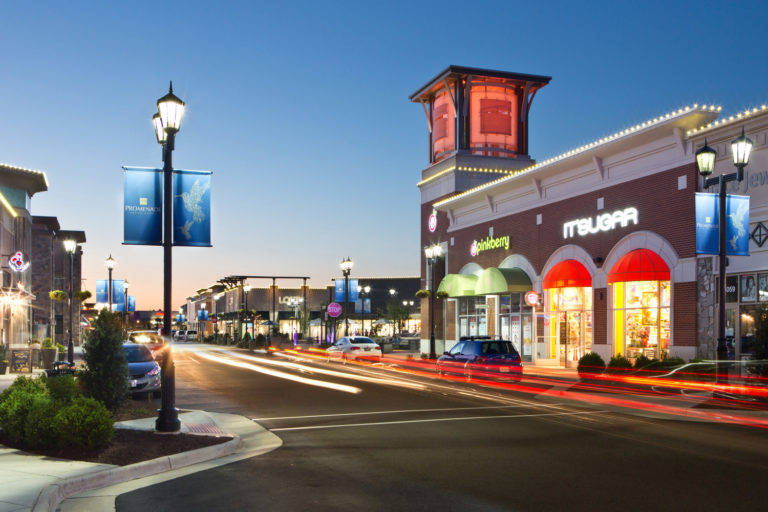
[641,318]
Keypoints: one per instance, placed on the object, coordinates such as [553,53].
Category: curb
[52,495]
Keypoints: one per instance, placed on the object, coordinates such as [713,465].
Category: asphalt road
[386,441]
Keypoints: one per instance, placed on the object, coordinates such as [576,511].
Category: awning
[458,285]
[566,274]
[639,265]
[501,280]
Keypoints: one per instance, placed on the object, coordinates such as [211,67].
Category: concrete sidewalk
[38,483]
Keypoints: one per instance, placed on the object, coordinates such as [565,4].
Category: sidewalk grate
[204,428]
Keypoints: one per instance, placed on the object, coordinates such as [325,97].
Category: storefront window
[473,320]
[641,318]
[570,326]
[516,324]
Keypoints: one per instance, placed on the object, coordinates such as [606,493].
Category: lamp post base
[168,420]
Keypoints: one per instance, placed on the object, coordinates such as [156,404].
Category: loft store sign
[489,243]
[603,222]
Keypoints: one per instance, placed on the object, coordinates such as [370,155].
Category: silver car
[143,370]
[354,348]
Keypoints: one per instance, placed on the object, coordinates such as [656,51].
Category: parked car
[151,339]
[143,370]
[354,348]
[482,358]
[190,335]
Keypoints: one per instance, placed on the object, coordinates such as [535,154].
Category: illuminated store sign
[432,222]
[604,222]
[489,243]
[17,262]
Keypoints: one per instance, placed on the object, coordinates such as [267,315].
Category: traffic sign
[334,309]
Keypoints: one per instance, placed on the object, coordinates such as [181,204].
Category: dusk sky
[301,111]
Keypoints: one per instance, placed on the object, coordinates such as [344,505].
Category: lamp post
[246,289]
[705,158]
[346,267]
[110,267]
[363,291]
[408,305]
[167,122]
[71,246]
[432,253]
[125,306]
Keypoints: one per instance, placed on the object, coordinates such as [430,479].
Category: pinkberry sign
[334,309]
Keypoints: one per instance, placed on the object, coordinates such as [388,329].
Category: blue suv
[482,358]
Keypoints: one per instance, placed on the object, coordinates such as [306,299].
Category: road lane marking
[434,420]
[401,411]
[283,375]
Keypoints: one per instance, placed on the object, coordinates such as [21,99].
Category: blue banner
[202,314]
[102,293]
[363,303]
[736,220]
[339,290]
[143,206]
[131,303]
[192,208]
[118,291]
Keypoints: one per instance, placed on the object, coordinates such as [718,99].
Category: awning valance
[502,280]
[458,285]
[639,265]
[566,274]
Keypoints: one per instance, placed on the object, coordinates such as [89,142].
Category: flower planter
[48,356]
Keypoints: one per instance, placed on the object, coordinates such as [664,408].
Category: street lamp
[705,158]
[432,254]
[346,267]
[167,122]
[408,305]
[246,289]
[110,267]
[71,246]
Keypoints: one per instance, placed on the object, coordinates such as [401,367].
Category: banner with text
[192,208]
[142,206]
[339,290]
[736,220]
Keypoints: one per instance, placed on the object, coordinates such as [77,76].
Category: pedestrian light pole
[705,158]
[246,289]
[432,254]
[167,122]
[125,307]
[110,268]
[346,267]
[71,246]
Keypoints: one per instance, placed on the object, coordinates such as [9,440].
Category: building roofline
[461,71]
[31,180]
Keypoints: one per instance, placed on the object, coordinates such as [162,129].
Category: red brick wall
[684,313]
[600,316]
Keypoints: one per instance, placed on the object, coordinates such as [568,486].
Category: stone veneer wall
[705,308]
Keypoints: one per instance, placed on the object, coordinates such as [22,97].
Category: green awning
[458,285]
[502,280]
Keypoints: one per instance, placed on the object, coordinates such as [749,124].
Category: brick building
[50,271]
[604,234]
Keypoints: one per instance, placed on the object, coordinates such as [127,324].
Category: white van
[190,336]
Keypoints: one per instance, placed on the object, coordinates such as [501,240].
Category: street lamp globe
[70,246]
[392,292]
[171,110]
[346,266]
[367,289]
[705,158]
[110,262]
[247,288]
[741,147]
[159,131]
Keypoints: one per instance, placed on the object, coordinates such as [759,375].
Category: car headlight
[153,372]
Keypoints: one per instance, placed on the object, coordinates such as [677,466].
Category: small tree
[106,375]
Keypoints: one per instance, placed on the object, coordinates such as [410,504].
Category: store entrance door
[571,332]
[731,327]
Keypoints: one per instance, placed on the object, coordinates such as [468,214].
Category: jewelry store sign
[603,222]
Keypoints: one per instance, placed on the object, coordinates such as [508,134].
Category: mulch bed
[131,446]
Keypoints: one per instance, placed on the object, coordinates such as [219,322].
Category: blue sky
[301,111]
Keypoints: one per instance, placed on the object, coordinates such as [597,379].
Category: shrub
[84,423]
[62,349]
[106,375]
[47,343]
[31,384]
[40,426]
[63,388]
[16,408]
[590,364]
[618,365]
[642,361]
[261,341]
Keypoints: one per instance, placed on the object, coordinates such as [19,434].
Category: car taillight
[354,348]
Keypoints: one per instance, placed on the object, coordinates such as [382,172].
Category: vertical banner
[363,306]
[142,206]
[192,208]
[339,290]
[131,303]
[102,292]
[202,314]
[118,292]
[736,220]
